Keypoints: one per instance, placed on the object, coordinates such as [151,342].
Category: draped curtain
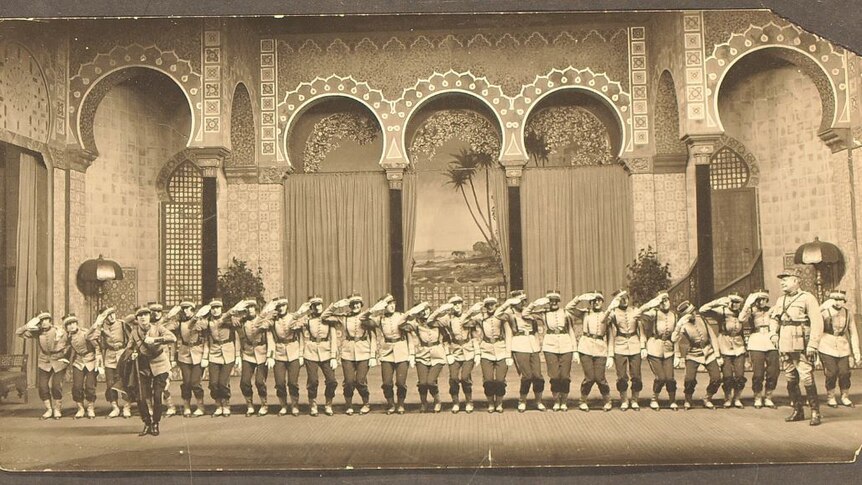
[336,236]
[577,229]
[408,228]
[499,191]
[26,279]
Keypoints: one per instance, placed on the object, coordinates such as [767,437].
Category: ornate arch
[305,94]
[242,131]
[168,169]
[25,93]
[826,71]
[439,84]
[610,92]
[750,160]
[96,78]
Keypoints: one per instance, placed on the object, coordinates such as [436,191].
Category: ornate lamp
[818,253]
[95,272]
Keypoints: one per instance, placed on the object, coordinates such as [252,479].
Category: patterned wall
[122,294]
[254,228]
[59,243]
[211,83]
[671,220]
[242,137]
[24,93]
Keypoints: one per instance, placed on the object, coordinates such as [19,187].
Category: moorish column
[701,149]
[210,160]
[395,178]
[514,171]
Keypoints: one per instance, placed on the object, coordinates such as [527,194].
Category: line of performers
[136,354]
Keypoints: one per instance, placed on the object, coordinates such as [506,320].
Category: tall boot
[624,400]
[49,410]
[634,401]
[830,398]
[798,414]
[81,411]
[147,429]
[814,403]
[58,409]
[539,404]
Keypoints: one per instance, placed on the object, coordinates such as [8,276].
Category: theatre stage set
[422,156]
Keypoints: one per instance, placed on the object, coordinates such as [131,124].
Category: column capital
[514,170]
[209,159]
[395,176]
[79,159]
[701,146]
[837,138]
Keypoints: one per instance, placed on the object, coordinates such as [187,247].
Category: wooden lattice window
[182,221]
[727,170]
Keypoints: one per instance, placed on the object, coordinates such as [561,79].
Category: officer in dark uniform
[702,345]
[148,344]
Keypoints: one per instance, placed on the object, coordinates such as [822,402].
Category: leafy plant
[578,133]
[239,282]
[647,276]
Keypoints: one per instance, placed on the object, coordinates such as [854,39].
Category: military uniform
[152,366]
[658,325]
[51,363]
[222,356]
[731,346]
[593,350]
[358,348]
[287,337]
[258,351]
[156,313]
[526,349]
[627,344]
[320,352]
[496,353]
[464,352]
[192,346]
[396,352]
[801,328]
[113,337]
[430,358]
[558,344]
[701,352]
[761,333]
[84,344]
[839,341]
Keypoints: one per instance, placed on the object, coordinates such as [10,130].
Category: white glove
[100,370]
[719,361]
[304,308]
[643,354]
[412,360]
[33,324]
[134,355]
[270,362]
[609,363]
[65,361]
[204,363]
[450,359]
[202,311]
[172,313]
[510,361]
[372,362]
[677,362]
[301,361]
[857,360]
[333,363]
[149,340]
[576,357]
[238,362]
[477,359]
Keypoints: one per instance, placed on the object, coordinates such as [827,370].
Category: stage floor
[418,440]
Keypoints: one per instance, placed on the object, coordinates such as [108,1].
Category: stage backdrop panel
[336,236]
[577,229]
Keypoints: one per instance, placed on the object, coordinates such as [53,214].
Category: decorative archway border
[185,155]
[829,59]
[297,101]
[85,97]
[726,141]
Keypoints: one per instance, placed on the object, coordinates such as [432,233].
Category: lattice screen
[182,219]
[727,170]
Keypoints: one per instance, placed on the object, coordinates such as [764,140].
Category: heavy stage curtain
[337,236]
[577,229]
[26,280]
[408,228]
[499,191]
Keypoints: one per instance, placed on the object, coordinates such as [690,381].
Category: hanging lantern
[100,270]
[821,255]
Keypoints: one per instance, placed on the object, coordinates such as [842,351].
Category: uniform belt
[355,339]
[286,341]
[697,345]
[460,341]
[558,331]
[664,338]
[520,334]
[592,335]
[222,342]
[491,340]
[318,340]
[794,323]
[192,344]
[428,344]
[393,340]
[839,334]
[627,334]
[116,347]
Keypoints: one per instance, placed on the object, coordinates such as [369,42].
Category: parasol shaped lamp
[819,254]
[95,272]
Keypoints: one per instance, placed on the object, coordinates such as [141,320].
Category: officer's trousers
[494,377]
[219,375]
[625,364]
[797,369]
[50,384]
[355,378]
[312,375]
[191,385]
[286,379]
[559,371]
[764,365]
[836,370]
[398,370]
[460,375]
[662,369]
[529,367]
[83,385]
[712,370]
[111,379]
[153,388]
[733,373]
[594,373]
[428,375]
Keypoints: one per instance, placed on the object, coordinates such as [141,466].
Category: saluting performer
[495,348]
[52,362]
[430,353]
[113,337]
[658,323]
[396,350]
[224,353]
[83,346]
[593,346]
[288,339]
[731,345]
[191,349]
[258,354]
[358,348]
[702,345]
[156,312]
[801,328]
[558,343]
[148,343]
[463,355]
[762,343]
[839,340]
[627,349]
[526,348]
[320,352]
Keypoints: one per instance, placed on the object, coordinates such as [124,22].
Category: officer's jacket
[83,345]
[799,318]
[463,343]
[759,328]
[256,340]
[358,342]
[731,338]
[658,327]
[156,354]
[192,341]
[559,337]
[394,337]
[840,338]
[318,340]
[627,334]
[223,345]
[287,335]
[700,337]
[495,335]
[429,343]
[595,337]
[53,347]
[112,340]
[525,333]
